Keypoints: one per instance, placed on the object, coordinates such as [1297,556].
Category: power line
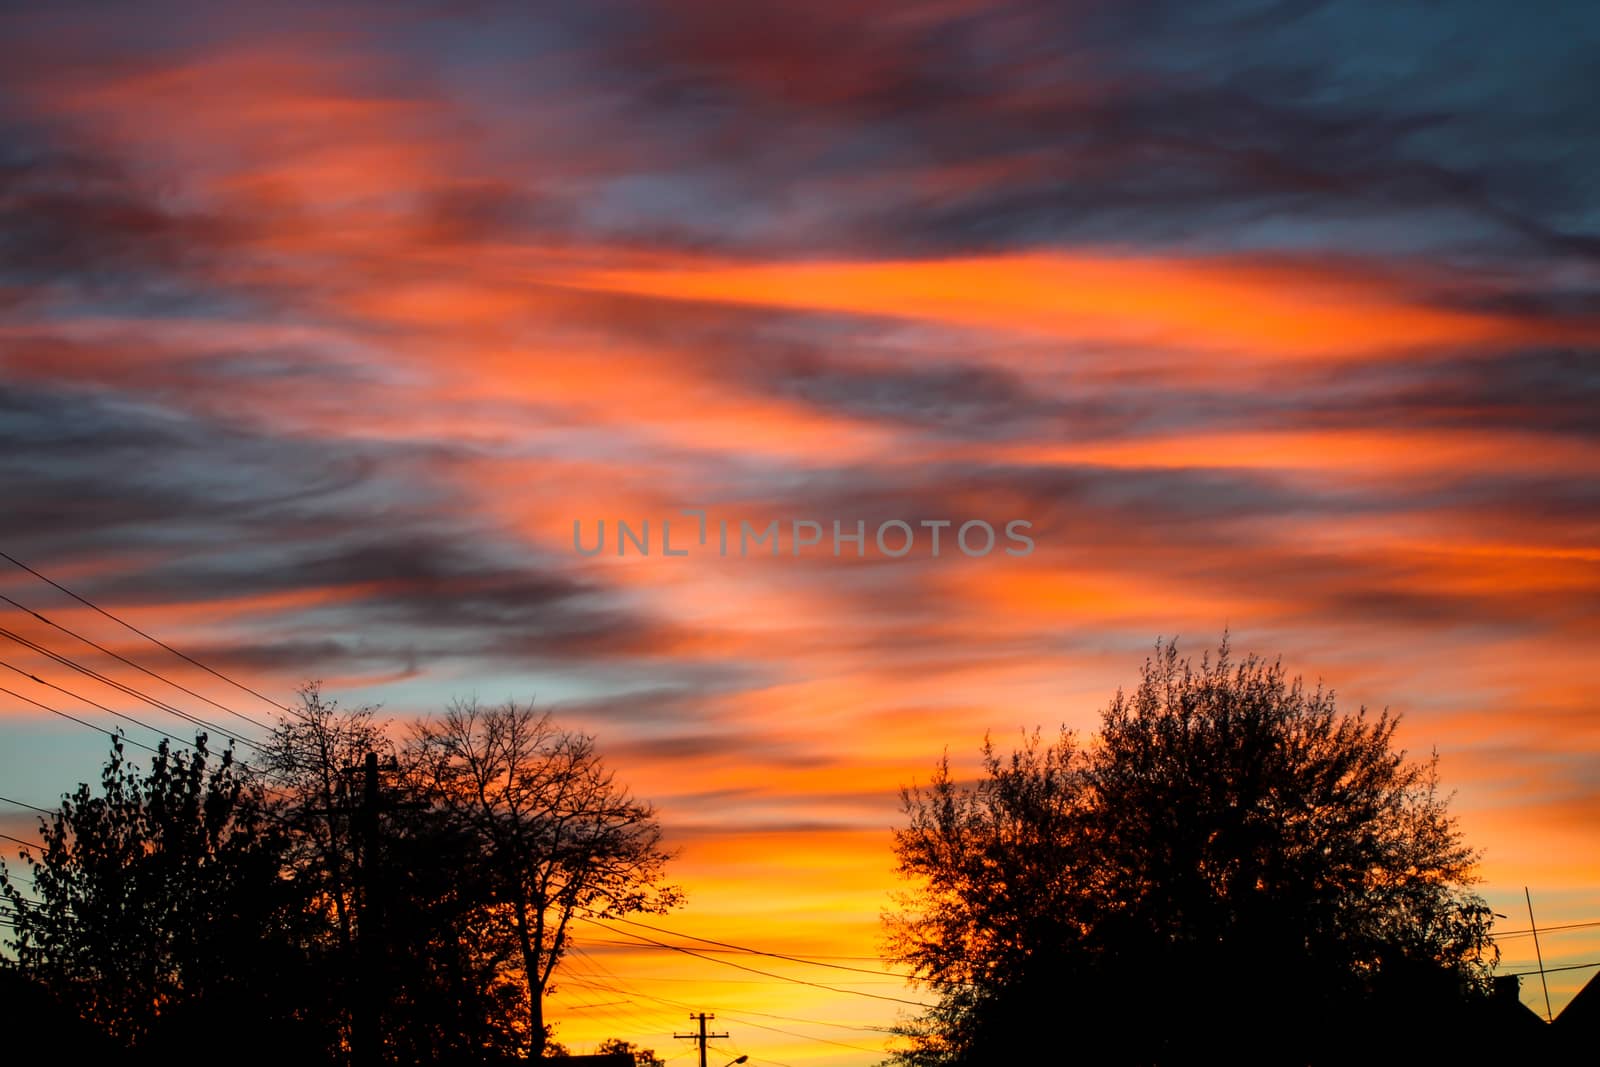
[159,705]
[814,1022]
[639,1019]
[738,981]
[764,1014]
[114,734]
[119,714]
[737,1018]
[635,1016]
[594,984]
[154,640]
[1545,930]
[81,722]
[810,1037]
[30,807]
[632,1016]
[26,844]
[768,974]
[810,960]
[1550,970]
[19,876]
[808,957]
[818,958]
[135,666]
[754,1059]
[612,942]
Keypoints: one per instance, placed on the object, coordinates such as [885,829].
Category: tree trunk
[530,943]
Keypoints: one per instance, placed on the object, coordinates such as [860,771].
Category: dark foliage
[159,912]
[642,1057]
[1231,868]
[347,903]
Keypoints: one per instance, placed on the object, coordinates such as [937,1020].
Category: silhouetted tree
[450,991]
[1232,866]
[413,936]
[313,756]
[402,910]
[644,1057]
[557,836]
[158,911]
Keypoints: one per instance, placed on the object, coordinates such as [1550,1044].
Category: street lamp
[741,1059]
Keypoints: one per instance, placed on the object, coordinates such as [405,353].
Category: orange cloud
[1258,310]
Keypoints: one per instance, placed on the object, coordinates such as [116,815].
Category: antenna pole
[1538,955]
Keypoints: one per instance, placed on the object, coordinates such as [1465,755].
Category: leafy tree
[611,1046]
[1231,865]
[644,1057]
[555,833]
[158,909]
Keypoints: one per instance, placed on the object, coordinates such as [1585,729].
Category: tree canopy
[643,1057]
[158,909]
[352,900]
[1229,864]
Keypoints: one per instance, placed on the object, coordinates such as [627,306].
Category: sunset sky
[321,326]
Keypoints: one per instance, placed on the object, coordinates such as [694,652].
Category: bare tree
[559,836]
[310,755]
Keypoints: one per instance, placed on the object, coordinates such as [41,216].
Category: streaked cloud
[319,330]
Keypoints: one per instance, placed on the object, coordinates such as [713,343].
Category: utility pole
[702,1037]
[369,948]
[371,952]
